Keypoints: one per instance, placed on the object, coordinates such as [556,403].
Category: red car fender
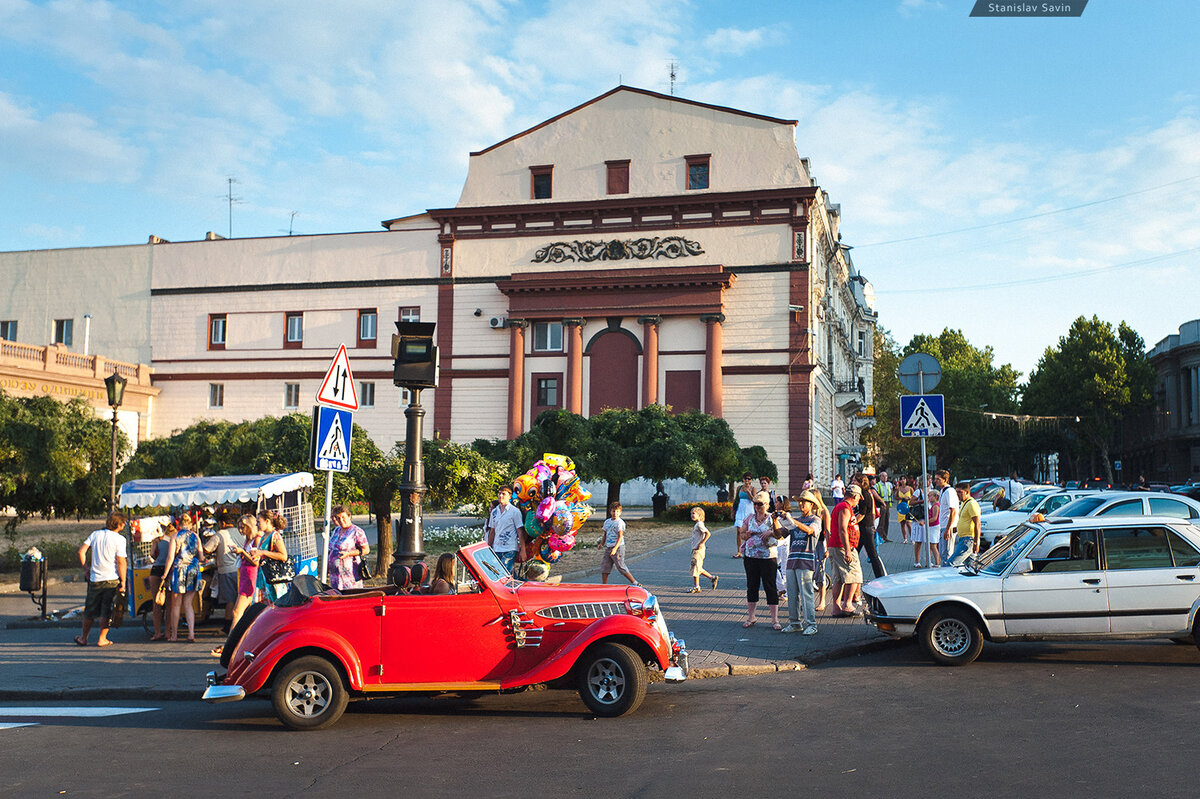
[563,661]
[253,675]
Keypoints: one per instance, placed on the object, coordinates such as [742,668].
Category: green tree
[886,446]
[1098,374]
[973,386]
[55,458]
[458,475]
[377,476]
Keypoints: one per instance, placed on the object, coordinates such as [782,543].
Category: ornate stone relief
[617,250]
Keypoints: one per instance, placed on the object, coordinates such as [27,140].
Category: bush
[713,512]
[58,554]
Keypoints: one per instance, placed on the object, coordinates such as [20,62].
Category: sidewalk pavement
[43,663]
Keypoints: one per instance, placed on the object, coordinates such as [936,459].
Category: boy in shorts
[613,545]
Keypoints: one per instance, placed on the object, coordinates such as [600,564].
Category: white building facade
[636,249]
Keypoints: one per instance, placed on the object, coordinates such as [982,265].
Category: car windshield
[1028,503]
[1005,551]
[1080,507]
[492,568]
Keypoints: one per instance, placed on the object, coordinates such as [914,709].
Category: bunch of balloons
[554,504]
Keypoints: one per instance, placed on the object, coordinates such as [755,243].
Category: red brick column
[573,332]
[713,363]
[649,359]
[516,377]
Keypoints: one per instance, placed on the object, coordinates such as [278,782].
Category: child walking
[614,545]
[700,536]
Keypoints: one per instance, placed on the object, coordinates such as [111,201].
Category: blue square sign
[922,416]
[329,442]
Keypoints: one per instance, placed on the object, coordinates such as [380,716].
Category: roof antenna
[229,194]
[672,72]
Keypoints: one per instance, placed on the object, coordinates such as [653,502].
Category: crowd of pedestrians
[797,551]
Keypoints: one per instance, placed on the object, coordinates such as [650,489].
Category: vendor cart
[286,493]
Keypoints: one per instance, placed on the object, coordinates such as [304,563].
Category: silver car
[1090,578]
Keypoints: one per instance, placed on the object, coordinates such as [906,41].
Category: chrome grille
[583,610]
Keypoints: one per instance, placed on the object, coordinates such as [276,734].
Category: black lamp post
[114,384]
[415,368]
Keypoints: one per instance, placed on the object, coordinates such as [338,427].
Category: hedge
[713,512]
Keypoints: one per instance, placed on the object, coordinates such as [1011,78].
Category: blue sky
[934,131]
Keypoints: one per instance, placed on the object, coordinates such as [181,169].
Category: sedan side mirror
[1024,566]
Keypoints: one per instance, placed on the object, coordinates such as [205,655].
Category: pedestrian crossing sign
[329,442]
[922,416]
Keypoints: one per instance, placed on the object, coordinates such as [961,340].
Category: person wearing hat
[804,533]
[758,536]
[843,551]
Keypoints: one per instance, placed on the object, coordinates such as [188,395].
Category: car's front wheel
[308,694]
[951,637]
[612,680]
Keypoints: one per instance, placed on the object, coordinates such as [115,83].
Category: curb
[15,588]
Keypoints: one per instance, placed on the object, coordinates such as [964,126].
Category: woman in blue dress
[183,578]
[743,506]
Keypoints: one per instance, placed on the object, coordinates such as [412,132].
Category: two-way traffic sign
[337,389]
[922,416]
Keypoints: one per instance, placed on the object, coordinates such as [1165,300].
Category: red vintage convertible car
[319,647]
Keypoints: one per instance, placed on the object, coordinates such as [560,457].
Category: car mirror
[1024,566]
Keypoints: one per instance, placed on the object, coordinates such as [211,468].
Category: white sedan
[1000,523]
[1120,578]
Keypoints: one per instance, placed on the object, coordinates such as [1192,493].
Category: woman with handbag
[275,569]
[160,548]
[182,578]
[347,548]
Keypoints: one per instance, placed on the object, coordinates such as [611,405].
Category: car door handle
[1092,581]
[1185,577]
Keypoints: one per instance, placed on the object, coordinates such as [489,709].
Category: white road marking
[8,725]
[72,712]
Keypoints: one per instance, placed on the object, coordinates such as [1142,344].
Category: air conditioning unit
[497,322]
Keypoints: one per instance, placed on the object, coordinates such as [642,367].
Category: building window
[547,336]
[293,337]
[541,182]
[216,331]
[368,327]
[64,331]
[618,177]
[410,314]
[546,394]
[366,395]
[697,171]
[216,395]
[291,395]
[8,330]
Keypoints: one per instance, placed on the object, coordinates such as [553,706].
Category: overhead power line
[1027,218]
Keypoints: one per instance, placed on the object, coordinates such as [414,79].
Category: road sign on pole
[337,389]
[923,416]
[919,372]
[330,441]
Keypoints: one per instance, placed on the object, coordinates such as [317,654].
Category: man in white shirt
[947,514]
[106,579]
[1016,489]
[506,529]
[837,488]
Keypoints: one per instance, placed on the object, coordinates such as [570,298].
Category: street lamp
[114,384]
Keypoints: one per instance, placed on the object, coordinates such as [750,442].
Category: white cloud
[64,145]
[735,41]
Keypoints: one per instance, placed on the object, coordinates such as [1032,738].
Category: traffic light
[416,357]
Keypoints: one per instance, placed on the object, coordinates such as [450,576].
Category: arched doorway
[613,370]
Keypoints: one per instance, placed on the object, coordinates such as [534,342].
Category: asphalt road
[1025,720]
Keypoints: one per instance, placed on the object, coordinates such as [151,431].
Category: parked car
[1130,503]
[1117,578]
[319,647]
[998,524]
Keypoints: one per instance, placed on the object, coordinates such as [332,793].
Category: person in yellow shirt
[968,526]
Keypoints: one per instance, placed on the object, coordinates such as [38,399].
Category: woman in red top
[843,551]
